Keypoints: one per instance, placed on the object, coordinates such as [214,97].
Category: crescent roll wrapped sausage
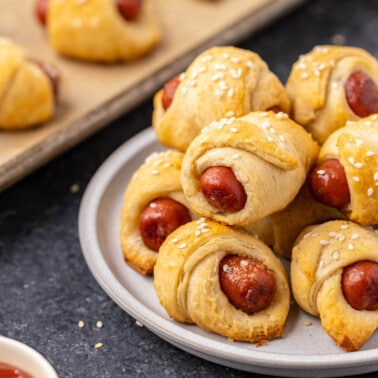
[223,280]
[221,82]
[237,171]
[346,175]
[101,31]
[331,85]
[281,229]
[28,88]
[154,205]
[334,275]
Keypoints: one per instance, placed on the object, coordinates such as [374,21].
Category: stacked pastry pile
[254,170]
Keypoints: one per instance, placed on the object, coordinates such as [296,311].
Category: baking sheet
[92,95]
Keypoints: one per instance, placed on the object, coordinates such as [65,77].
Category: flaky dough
[356,147]
[186,280]
[269,154]
[159,176]
[221,82]
[319,256]
[316,87]
[26,94]
[94,30]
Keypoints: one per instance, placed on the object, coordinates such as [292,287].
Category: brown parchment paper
[92,95]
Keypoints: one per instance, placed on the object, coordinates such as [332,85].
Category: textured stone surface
[45,285]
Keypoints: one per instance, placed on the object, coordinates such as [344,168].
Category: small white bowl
[25,358]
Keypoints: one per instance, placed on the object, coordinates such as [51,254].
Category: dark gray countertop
[45,285]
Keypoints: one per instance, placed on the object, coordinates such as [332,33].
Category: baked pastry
[21,76]
[334,275]
[101,30]
[153,206]
[280,230]
[331,85]
[221,82]
[238,171]
[224,280]
[346,175]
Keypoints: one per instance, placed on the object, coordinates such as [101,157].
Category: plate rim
[171,332]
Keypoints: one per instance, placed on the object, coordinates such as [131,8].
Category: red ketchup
[10,371]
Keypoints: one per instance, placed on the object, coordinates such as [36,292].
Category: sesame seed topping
[341,238]
[336,255]
[236,156]
[344,226]
[182,245]
[376,176]
[81,324]
[243,262]
[370,153]
[321,172]
[174,240]
[282,115]
[153,205]
[358,165]
[155,172]
[354,236]
[234,130]
[370,192]
[197,232]
[138,323]
[332,234]
[324,242]
[98,345]
[270,139]
[226,268]
[205,230]
[99,324]
[304,75]
[230,113]
[351,160]
[350,246]
[230,92]
[356,179]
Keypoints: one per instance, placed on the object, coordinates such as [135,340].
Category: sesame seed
[336,255]
[344,226]
[234,130]
[230,113]
[230,92]
[74,188]
[155,172]
[350,246]
[270,139]
[324,242]
[304,75]
[307,323]
[226,268]
[81,324]
[174,240]
[236,156]
[281,137]
[321,172]
[354,236]
[332,234]
[370,192]
[98,345]
[367,123]
[153,205]
[250,64]
[356,179]
[197,232]
[358,165]
[235,59]
[138,323]
[205,230]
[282,115]
[182,245]
[99,324]
[370,153]
[334,85]
[376,176]
[351,160]
[341,238]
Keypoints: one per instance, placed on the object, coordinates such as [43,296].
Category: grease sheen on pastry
[269,154]
[26,94]
[186,280]
[319,257]
[94,30]
[316,87]
[221,82]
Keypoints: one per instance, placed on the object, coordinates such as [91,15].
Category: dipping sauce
[9,371]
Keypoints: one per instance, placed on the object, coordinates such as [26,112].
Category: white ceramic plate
[303,350]
[22,356]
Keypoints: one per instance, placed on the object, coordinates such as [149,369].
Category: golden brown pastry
[280,230]
[101,30]
[223,280]
[238,171]
[28,88]
[346,175]
[153,206]
[221,82]
[334,275]
[331,85]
